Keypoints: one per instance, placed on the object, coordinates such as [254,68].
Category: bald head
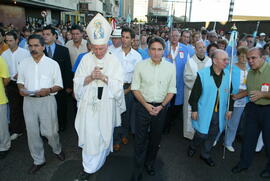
[218,52]
[220,59]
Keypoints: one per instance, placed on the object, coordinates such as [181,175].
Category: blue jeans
[232,126]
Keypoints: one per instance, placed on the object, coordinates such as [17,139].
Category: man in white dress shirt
[98,88]
[39,79]
[13,57]
[128,58]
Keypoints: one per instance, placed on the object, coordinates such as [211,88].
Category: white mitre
[99,30]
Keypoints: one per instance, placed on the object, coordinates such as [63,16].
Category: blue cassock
[180,62]
[77,61]
[191,50]
[207,100]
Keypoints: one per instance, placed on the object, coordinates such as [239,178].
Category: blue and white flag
[233,38]
[169,21]
[128,20]
[254,34]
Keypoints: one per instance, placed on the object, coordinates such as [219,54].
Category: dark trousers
[126,119]
[257,120]
[148,131]
[61,100]
[174,112]
[240,130]
[206,141]
[17,124]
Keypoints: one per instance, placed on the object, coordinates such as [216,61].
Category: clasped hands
[96,74]
[153,110]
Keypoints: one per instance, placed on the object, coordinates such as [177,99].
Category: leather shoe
[150,170]
[265,174]
[208,161]
[124,140]
[3,154]
[191,152]
[238,169]
[61,156]
[116,147]
[34,168]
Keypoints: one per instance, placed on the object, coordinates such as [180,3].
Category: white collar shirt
[13,59]
[44,74]
[174,52]
[128,62]
[113,49]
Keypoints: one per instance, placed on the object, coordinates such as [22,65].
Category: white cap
[262,34]
[116,33]
[99,30]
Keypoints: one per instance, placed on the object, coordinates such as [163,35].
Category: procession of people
[134,83]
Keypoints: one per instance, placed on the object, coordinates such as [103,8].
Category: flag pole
[214,27]
[255,32]
[232,44]
[139,33]
[170,24]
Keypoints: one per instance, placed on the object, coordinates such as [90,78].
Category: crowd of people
[135,80]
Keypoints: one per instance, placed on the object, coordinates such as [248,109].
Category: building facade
[18,12]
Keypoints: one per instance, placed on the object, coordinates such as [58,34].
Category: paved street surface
[172,163]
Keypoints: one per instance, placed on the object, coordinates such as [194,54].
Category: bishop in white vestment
[98,88]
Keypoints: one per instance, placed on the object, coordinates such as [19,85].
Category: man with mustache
[39,79]
[257,110]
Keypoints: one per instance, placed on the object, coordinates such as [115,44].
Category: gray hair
[199,41]
[217,52]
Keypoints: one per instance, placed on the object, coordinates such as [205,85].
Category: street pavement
[172,163]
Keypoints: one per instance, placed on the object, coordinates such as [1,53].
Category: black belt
[12,82]
[154,103]
[126,85]
[35,96]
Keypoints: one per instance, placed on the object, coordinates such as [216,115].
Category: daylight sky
[217,10]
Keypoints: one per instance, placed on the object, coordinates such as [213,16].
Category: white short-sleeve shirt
[13,59]
[128,62]
[44,74]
